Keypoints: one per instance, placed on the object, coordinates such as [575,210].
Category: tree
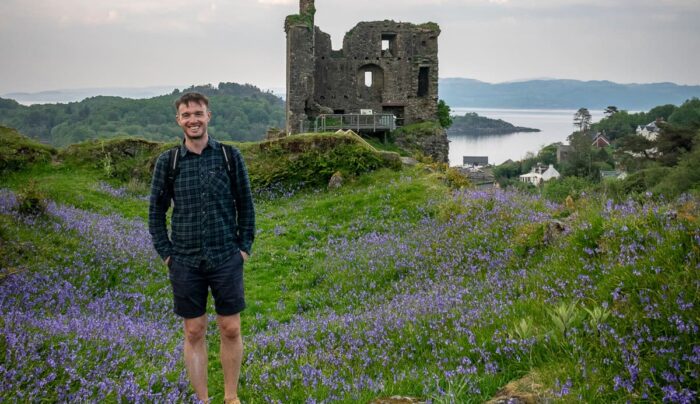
[443,112]
[582,120]
[610,110]
[580,162]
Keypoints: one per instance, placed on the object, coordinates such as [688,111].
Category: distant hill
[240,112]
[79,94]
[471,124]
[562,94]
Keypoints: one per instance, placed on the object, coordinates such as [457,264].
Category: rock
[275,133]
[524,391]
[552,230]
[336,180]
[409,161]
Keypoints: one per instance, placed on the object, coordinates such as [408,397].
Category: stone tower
[383,66]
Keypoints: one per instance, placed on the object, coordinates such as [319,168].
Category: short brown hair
[187,98]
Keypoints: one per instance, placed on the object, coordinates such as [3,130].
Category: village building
[540,174]
[475,161]
[600,141]
[650,131]
[564,152]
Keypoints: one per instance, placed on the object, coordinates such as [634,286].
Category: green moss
[121,159]
[18,151]
[312,159]
[304,19]
[432,26]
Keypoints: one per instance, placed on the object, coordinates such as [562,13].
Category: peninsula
[471,124]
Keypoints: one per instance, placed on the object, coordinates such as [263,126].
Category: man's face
[193,118]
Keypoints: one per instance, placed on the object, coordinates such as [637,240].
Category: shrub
[557,190]
[31,201]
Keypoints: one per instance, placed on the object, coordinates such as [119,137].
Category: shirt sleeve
[159,204]
[245,211]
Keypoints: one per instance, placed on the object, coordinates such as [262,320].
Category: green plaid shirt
[210,222]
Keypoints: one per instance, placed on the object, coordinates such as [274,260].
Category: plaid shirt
[209,222]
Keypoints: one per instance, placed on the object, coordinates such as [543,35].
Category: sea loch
[555,126]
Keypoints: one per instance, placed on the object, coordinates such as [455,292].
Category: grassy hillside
[391,285]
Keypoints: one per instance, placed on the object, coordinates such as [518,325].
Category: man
[212,231]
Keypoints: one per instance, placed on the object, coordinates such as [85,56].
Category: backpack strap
[173,171]
[230,163]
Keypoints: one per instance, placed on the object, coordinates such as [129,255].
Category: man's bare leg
[231,353]
[196,355]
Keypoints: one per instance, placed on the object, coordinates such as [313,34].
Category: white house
[550,173]
[532,178]
[649,131]
[540,174]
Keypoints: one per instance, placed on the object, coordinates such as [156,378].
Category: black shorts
[191,288]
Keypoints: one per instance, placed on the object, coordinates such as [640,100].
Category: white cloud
[63,43]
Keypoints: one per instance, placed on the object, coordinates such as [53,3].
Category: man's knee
[230,327]
[195,328]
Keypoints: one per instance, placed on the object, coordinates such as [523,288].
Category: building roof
[600,140]
[475,160]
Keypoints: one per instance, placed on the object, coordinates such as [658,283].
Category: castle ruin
[384,67]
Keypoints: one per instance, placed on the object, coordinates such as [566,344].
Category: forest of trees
[241,112]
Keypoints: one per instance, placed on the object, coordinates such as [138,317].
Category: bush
[557,190]
[31,201]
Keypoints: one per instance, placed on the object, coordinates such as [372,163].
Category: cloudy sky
[59,44]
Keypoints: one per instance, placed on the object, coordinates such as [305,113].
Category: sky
[70,44]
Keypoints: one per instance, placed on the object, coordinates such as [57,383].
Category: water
[555,125]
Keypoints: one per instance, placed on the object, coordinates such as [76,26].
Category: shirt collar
[211,142]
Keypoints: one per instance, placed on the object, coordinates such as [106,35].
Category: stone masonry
[383,66]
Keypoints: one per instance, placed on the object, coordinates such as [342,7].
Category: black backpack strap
[230,163]
[173,171]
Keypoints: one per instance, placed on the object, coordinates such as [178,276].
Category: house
[600,141]
[550,173]
[539,174]
[650,130]
[563,152]
[531,178]
[475,161]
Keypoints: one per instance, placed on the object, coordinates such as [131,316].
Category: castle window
[423,81]
[388,44]
[370,80]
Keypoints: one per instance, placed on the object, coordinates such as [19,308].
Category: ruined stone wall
[300,76]
[400,58]
[300,66]
[404,75]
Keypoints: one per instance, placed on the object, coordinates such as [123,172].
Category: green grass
[78,187]
[564,302]
[291,231]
